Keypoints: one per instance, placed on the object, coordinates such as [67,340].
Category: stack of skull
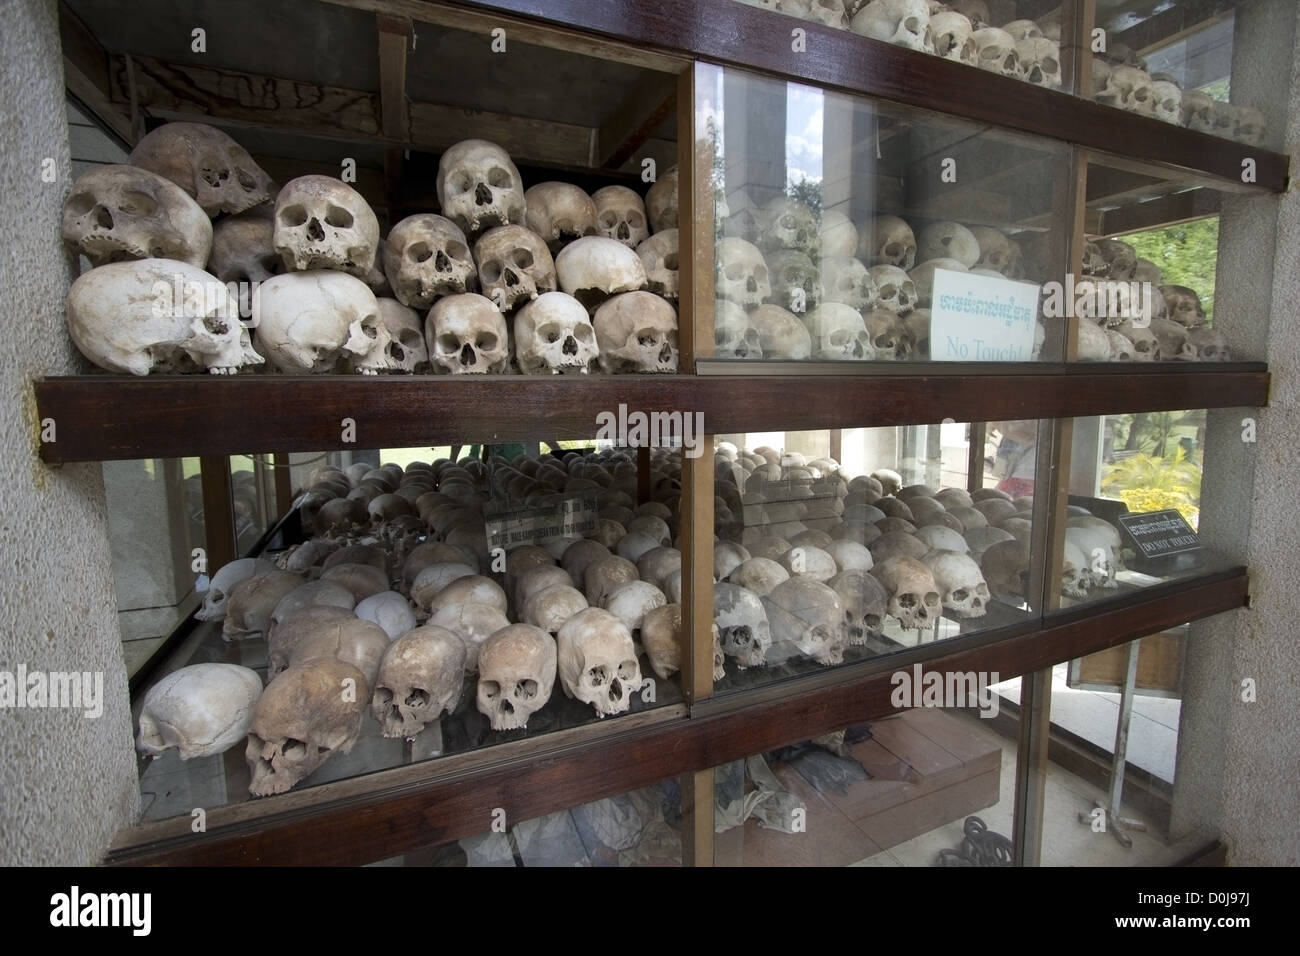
[1030,51]
[546,280]
[794,283]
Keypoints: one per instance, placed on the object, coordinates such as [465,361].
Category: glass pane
[497,597]
[933,785]
[1135,501]
[839,546]
[859,231]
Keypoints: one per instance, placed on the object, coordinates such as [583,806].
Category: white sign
[976,318]
[573,517]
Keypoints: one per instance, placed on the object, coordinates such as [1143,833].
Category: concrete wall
[67,783]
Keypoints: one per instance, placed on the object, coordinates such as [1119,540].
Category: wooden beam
[176,91]
[1174,23]
[1158,213]
[630,124]
[220,542]
[394,39]
[85,73]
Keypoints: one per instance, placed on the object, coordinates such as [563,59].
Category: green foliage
[1152,483]
[1187,254]
[808,192]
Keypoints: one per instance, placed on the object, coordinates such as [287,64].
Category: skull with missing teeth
[479,187]
[467,336]
[637,332]
[207,164]
[323,223]
[597,662]
[426,256]
[554,335]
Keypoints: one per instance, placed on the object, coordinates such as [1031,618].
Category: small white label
[977,318]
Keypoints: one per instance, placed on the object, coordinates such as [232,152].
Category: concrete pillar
[68,781]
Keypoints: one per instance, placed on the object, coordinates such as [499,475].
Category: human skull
[889,337]
[1184,306]
[864,600]
[661,634]
[658,256]
[419,679]
[636,332]
[1209,345]
[426,256]
[224,581]
[1100,544]
[923,277]
[121,213]
[948,240]
[1023,29]
[661,201]
[1197,111]
[390,611]
[559,213]
[323,223]
[780,333]
[554,335]
[787,223]
[303,718]
[1132,89]
[743,275]
[733,335]
[1167,101]
[479,187]
[517,668]
[838,333]
[242,249]
[631,601]
[953,39]
[316,322]
[836,235]
[996,250]
[604,574]
[895,290]
[514,266]
[1121,349]
[742,623]
[593,268]
[914,596]
[847,281]
[597,661]
[467,335]
[905,23]
[620,215]
[201,710]
[1040,61]
[796,282]
[126,317]
[809,615]
[996,51]
[352,640]
[1224,116]
[1144,347]
[889,242]
[549,607]
[962,590]
[211,167]
[1174,343]
[1121,258]
[977,10]
[473,622]
[400,348]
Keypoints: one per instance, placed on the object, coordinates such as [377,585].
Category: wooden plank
[960,735]
[908,744]
[112,418]
[392,812]
[930,811]
[630,123]
[394,38]
[1159,213]
[219,540]
[737,34]
[85,72]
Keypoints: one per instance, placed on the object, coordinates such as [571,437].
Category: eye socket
[733,271]
[490,271]
[608,219]
[888,291]
[80,203]
[457,251]
[670,261]
[583,333]
[634,219]
[522,258]
[294,215]
[760,273]
[419,252]
[459,182]
[489,688]
[498,177]
[1050,65]
[487,342]
[294,749]
[550,332]
[448,344]
[139,204]
[338,217]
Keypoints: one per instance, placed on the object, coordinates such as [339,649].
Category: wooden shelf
[112,418]
[736,34]
[404,809]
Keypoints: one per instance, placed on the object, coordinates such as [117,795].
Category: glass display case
[843,423]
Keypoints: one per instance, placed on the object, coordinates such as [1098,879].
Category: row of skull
[961,31]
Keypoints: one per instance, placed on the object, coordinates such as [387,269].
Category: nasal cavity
[103,218]
[666,353]
[314,230]
[467,355]
[623,231]
[442,263]
[483,194]
[570,345]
